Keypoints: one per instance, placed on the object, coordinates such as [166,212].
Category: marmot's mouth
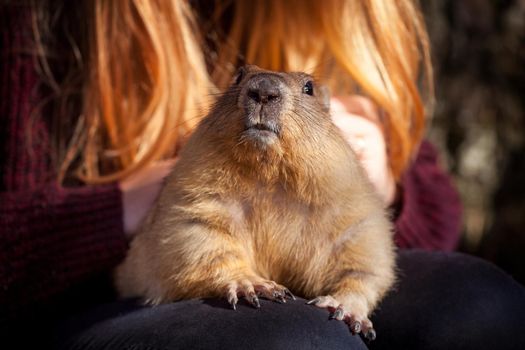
[263,127]
[261,134]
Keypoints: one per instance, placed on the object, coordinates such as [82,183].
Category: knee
[471,301]
[461,282]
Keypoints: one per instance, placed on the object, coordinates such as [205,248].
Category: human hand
[358,119]
[140,191]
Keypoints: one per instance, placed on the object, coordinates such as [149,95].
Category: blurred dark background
[479,121]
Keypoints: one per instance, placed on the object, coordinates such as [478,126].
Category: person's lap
[441,301]
[208,324]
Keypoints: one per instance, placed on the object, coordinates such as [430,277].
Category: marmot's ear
[242,72]
[323,94]
[239,75]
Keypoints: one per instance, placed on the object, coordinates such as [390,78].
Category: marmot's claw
[232,299]
[313,301]
[355,327]
[277,296]
[338,314]
[368,330]
[287,292]
[370,335]
[281,296]
[254,300]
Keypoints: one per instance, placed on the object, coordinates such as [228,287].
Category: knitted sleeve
[50,237]
[429,216]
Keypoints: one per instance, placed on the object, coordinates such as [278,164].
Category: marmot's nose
[264,89]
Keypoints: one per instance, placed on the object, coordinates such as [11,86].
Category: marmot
[266,198]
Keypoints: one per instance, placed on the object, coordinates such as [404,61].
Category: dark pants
[441,301]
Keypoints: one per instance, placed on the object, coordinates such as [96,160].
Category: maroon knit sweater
[52,238]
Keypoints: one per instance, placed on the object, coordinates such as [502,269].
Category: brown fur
[300,212]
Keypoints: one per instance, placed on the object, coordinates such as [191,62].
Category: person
[372,56]
[79,172]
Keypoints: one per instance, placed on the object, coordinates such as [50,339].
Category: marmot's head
[274,120]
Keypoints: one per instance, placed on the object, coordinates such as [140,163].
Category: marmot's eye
[240,75]
[308,88]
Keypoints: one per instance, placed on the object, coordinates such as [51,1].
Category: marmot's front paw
[352,313]
[251,288]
